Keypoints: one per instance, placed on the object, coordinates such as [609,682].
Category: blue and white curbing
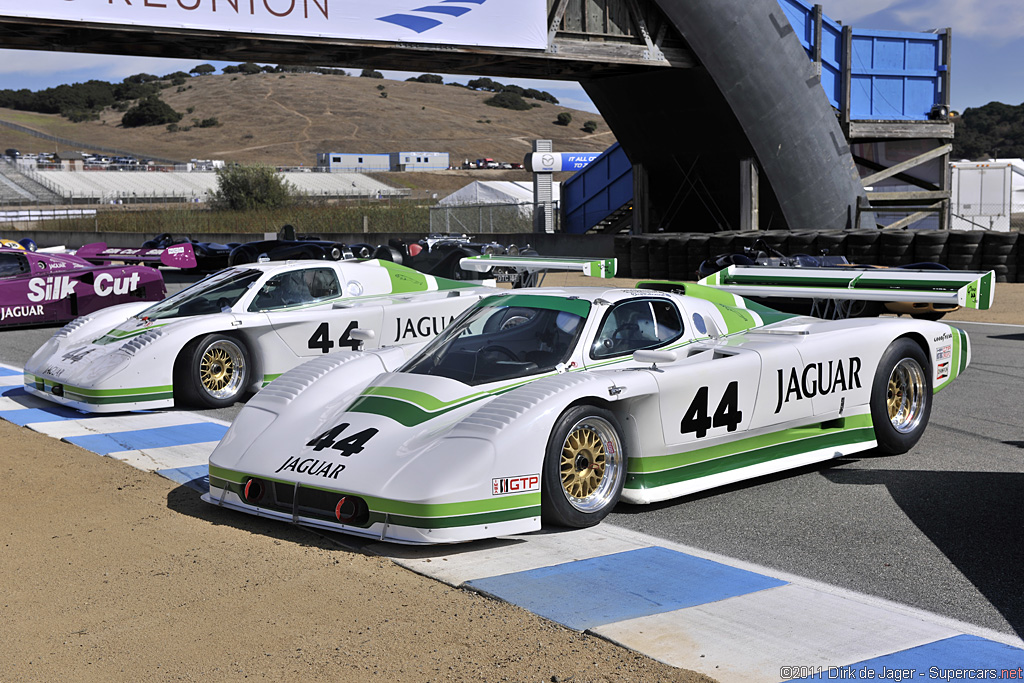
[732,620]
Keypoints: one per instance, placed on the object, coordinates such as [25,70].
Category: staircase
[18,188]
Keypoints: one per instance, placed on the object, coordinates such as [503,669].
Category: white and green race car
[238,329]
[551,405]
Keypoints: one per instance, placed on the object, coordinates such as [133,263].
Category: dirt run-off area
[114,574]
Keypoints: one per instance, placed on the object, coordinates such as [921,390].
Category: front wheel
[214,371]
[901,397]
[584,468]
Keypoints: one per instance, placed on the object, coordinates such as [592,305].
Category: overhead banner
[552,162]
[494,23]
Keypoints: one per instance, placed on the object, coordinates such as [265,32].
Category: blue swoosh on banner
[419,23]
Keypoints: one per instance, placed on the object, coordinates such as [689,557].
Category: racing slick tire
[584,468]
[242,254]
[213,371]
[901,397]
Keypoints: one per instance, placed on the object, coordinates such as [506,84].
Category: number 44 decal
[321,338]
[728,413]
[348,445]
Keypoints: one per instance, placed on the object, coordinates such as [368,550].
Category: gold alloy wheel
[221,369]
[590,464]
[905,395]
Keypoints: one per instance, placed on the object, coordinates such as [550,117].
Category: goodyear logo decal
[420,23]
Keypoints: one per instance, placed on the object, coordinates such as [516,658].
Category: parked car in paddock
[212,256]
[235,331]
[769,265]
[550,406]
[40,288]
[442,255]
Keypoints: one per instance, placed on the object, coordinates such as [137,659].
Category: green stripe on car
[651,472]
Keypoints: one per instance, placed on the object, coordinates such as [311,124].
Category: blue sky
[987,65]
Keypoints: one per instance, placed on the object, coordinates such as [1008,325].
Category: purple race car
[37,288]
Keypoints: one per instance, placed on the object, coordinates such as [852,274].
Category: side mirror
[655,357]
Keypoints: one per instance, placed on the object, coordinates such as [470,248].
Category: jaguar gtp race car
[551,405]
[233,332]
[38,288]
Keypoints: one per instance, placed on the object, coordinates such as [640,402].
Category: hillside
[285,119]
[995,130]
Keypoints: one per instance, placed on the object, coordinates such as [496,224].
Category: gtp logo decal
[520,484]
[419,24]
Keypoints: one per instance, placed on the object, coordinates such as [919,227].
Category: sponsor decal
[50,289]
[944,352]
[946,336]
[942,371]
[77,355]
[42,289]
[106,284]
[20,311]
[314,467]
[427,326]
[520,484]
[818,380]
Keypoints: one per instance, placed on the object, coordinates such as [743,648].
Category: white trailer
[982,195]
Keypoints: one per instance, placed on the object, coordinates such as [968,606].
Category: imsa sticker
[520,484]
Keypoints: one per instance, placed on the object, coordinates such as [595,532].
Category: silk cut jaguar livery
[550,406]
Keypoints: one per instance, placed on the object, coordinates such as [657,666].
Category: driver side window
[634,325]
[295,288]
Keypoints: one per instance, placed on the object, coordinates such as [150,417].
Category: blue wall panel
[605,185]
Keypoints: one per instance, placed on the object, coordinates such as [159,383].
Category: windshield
[220,290]
[504,338]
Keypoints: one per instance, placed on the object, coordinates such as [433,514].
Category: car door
[304,309]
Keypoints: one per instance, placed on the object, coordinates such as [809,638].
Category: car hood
[391,439]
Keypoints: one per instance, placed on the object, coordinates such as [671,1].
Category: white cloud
[848,11]
[999,20]
[26,62]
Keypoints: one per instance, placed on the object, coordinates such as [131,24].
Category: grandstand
[105,187]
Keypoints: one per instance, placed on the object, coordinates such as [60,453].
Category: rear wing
[176,256]
[970,289]
[599,268]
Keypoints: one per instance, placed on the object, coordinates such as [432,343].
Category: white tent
[495,192]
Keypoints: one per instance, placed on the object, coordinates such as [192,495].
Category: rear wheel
[901,397]
[584,468]
[214,371]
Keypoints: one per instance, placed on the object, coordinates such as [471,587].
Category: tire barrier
[657,258]
[931,245]
[965,250]
[622,255]
[677,246]
[777,240]
[831,243]
[639,267]
[697,251]
[999,253]
[677,256]
[896,248]
[801,243]
[863,246]
[723,243]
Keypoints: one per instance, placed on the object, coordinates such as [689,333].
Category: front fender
[519,423]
